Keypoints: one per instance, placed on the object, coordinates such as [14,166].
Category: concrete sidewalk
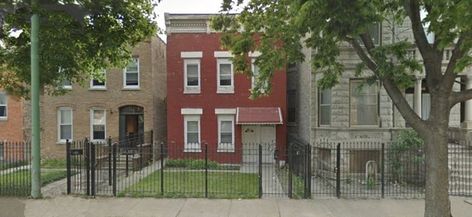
[149,207]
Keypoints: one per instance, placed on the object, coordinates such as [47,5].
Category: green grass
[7,165]
[19,182]
[53,164]
[228,185]
[198,164]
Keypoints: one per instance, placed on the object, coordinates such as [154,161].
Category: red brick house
[12,131]
[208,102]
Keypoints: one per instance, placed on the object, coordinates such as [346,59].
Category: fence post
[87,164]
[115,147]
[308,171]
[109,161]
[206,170]
[68,165]
[162,168]
[260,171]
[93,165]
[382,170]
[127,163]
[338,171]
[290,193]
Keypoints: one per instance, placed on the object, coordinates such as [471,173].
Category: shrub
[196,164]
[406,158]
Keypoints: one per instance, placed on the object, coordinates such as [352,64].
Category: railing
[15,178]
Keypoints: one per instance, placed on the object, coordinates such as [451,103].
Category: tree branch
[457,97]
[450,75]
[392,89]
[413,10]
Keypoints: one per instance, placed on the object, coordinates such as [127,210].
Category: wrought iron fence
[15,178]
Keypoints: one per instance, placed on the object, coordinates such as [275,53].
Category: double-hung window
[64,124]
[325,107]
[98,124]
[225,133]
[225,76]
[192,133]
[364,103]
[131,75]
[67,84]
[3,106]
[192,76]
[99,83]
[256,78]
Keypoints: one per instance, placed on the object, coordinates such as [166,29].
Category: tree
[78,39]
[278,29]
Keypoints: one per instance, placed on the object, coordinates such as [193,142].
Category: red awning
[259,115]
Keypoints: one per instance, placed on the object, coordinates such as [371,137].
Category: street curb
[468,201]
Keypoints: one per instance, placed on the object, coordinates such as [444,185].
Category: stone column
[417,96]
[468,105]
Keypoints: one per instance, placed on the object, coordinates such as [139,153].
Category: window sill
[131,88]
[192,91]
[192,150]
[225,91]
[98,88]
[62,142]
[3,118]
[225,150]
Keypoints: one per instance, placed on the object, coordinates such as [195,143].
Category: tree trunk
[437,202]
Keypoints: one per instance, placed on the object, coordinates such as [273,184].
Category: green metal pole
[35,125]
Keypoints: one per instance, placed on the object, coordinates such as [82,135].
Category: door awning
[258,116]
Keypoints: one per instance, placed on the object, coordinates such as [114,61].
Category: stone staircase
[460,169]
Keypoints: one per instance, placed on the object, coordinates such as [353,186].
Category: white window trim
[132,87]
[67,87]
[224,89]
[226,147]
[192,89]
[191,111]
[99,87]
[223,54]
[225,111]
[3,118]
[92,124]
[59,140]
[253,79]
[191,54]
[192,147]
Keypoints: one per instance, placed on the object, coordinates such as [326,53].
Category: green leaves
[74,49]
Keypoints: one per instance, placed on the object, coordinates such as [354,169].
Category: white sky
[185,6]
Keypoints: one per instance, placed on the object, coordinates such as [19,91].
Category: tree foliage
[280,28]
[78,39]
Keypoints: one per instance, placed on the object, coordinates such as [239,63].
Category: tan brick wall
[150,96]
[11,129]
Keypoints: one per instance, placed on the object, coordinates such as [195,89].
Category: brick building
[127,102]
[11,125]
[208,102]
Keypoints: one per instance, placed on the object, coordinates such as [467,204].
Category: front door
[131,124]
[255,135]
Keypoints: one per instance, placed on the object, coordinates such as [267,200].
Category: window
[3,106]
[99,82]
[364,103]
[225,133]
[225,76]
[67,84]
[325,107]
[425,99]
[192,133]
[192,76]
[255,77]
[98,124]
[292,106]
[131,75]
[64,122]
[374,31]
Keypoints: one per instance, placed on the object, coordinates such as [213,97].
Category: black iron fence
[15,178]
[371,169]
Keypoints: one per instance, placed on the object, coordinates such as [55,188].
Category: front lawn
[192,184]
[19,183]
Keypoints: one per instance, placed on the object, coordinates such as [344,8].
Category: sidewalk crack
[181,207]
